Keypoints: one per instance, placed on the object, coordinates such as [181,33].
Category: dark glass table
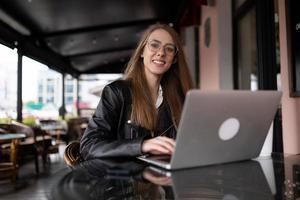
[264,178]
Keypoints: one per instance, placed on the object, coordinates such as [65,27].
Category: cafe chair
[57,129]
[76,128]
[72,154]
[33,145]
[9,166]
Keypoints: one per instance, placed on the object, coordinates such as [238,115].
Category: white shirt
[160,97]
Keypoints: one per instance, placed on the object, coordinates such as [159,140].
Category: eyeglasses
[169,49]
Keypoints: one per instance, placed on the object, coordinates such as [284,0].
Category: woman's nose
[161,51]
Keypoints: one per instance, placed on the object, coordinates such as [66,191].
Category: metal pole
[63,108]
[19,88]
[77,94]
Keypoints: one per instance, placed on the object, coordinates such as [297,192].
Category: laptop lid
[222,126]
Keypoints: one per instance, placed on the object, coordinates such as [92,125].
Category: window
[90,87]
[69,89]
[255,51]
[50,88]
[255,45]
[50,99]
[41,90]
[247,51]
[69,100]
[8,82]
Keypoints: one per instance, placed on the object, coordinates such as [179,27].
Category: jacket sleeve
[101,139]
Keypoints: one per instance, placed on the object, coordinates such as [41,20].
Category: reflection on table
[264,178]
[10,169]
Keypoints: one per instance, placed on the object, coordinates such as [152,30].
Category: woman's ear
[142,56]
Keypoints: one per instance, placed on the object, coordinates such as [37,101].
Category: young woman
[140,113]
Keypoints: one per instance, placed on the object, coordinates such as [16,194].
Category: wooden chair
[33,145]
[9,168]
[72,154]
[57,129]
[76,128]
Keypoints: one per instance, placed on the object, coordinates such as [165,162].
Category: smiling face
[158,53]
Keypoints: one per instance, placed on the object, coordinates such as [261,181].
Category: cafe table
[10,168]
[276,177]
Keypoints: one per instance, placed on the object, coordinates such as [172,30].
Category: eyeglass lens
[168,48]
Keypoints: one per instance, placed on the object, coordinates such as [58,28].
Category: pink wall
[290,106]
[209,65]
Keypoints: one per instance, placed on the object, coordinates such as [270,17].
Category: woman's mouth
[159,62]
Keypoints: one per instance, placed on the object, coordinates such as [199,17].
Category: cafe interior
[229,45]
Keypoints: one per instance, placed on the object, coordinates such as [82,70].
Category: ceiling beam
[8,36]
[101,27]
[29,48]
[112,50]
[49,58]
[116,67]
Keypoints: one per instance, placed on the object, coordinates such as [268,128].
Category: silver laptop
[220,127]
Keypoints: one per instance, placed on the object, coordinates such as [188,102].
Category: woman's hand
[159,145]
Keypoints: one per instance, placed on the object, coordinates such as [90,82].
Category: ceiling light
[13,23]
[116,38]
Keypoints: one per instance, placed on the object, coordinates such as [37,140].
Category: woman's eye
[170,49]
[155,45]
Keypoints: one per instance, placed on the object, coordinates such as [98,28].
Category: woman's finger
[158,145]
[154,147]
[164,144]
[169,140]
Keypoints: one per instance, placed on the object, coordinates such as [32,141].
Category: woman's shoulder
[120,88]
[119,85]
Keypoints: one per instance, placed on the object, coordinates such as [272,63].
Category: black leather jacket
[110,132]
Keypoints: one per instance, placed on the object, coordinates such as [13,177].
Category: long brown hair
[175,83]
